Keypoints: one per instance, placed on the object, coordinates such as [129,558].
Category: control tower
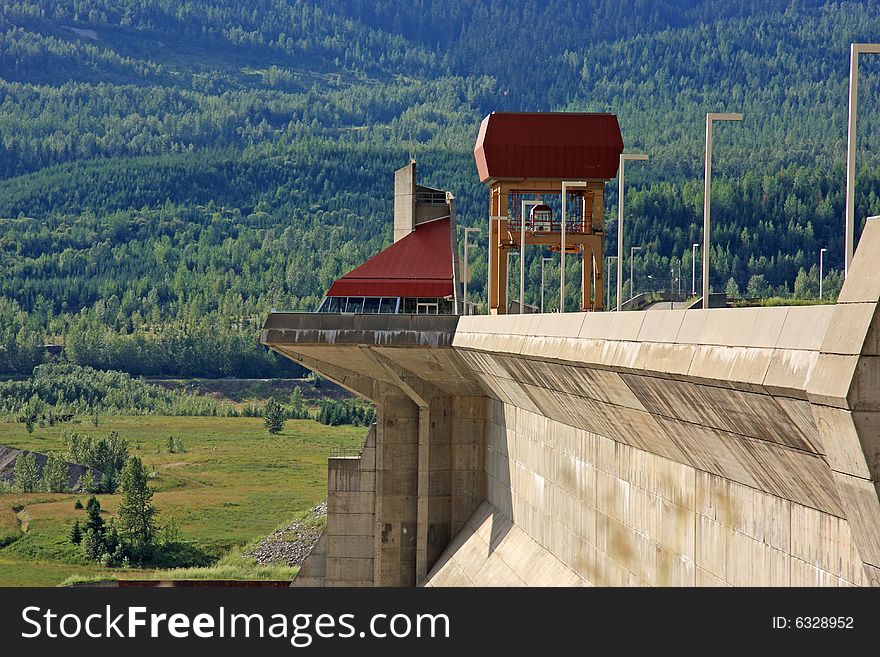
[527,160]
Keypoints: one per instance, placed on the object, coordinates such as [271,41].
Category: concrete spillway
[718,447]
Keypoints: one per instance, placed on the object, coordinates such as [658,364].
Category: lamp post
[543,260]
[694,270]
[821,258]
[608,284]
[855,50]
[522,254]
[632,253]
[507,282]
[467,232]
[620,192]
[565,185]
[707,195]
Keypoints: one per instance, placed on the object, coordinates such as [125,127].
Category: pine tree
[274,417]
[26,476]
[95,523]
[87,483]
[732,289]
[55,474]
[136,510]
[298,409]
[76,533]
[92,545]
[109,482]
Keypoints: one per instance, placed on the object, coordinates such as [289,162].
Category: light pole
[543,260]
[467,232]
[855,50]
[620,193]
[707,195]
[821,258]
[632,253]
[694,270]
[608,284]
[507,282]
[522,253]
[565,185]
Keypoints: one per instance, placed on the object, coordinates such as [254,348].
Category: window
[388,305]
[371,305]
[426,308]
[355,305]
[336,305]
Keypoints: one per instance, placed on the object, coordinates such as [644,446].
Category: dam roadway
[686,448]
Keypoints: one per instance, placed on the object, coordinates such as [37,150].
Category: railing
[555,226]
[345,451]
[434,198]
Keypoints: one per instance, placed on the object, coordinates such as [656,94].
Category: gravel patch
[291,545]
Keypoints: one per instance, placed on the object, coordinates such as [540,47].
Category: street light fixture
[507,283]
[707,195]
[608,284]
[565,186]
[855,50]
[467,232]
[522,254]
[632,253]
[821,254]
[543,260]
[620,192]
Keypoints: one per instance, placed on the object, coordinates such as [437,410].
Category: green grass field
[234,484]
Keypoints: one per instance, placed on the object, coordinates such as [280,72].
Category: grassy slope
[234,484]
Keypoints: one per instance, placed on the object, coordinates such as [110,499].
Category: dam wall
[668,448]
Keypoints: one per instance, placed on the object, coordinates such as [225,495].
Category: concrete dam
[665,448]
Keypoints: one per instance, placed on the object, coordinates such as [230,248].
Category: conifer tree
[274,417]
[136,510]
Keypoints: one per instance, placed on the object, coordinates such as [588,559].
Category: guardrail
[345,451]
[432,198]
[537,226]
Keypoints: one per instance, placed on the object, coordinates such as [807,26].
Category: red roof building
[418,272]
[418,265]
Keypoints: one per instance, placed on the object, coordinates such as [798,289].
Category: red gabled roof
[419,265]
[548,145]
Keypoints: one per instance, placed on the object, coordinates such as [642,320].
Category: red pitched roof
[419,265]
[548,145]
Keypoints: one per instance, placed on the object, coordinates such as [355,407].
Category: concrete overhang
[356,351]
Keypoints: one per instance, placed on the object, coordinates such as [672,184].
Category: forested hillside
[170,170]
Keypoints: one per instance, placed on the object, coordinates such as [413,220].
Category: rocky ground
[291,545]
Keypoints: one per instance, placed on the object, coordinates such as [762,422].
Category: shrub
[274,417]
